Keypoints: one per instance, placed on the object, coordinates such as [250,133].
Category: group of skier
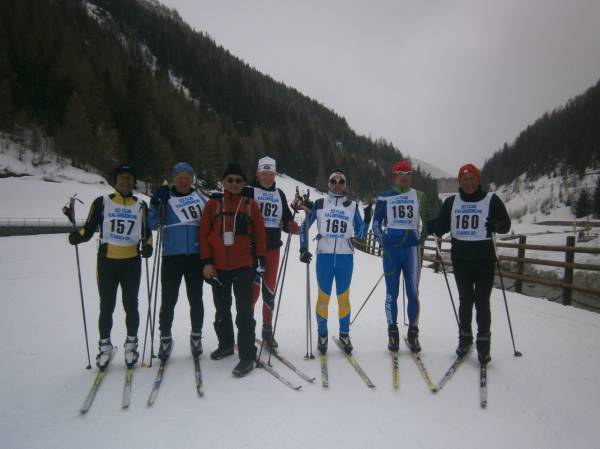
[232,240]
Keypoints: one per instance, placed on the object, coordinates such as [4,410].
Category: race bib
[270,206]
[336,221]
[188,209]
[122,225]
[403,210]
[468,218]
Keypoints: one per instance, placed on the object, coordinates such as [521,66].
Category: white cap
[267,164]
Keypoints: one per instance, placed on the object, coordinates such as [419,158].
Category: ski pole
[69,211]
[404,299]
[365,301]
[149,287]
[148,316]
[308,317]
[155,293]
[438,250]
[279,285]
[512,337]
[155,288]
[151,290]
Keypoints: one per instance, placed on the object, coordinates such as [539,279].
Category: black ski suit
[473,263]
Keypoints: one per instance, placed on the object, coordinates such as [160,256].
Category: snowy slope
[549,398]
[434,171]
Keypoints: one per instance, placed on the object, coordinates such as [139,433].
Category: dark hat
[125,168]
[233,169]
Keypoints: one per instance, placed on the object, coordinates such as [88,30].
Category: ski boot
[483,349]
[164,350]
[465,341]
[131,353]
[345,341]
[322,344]
[243,368]
[413,339]
[105,349]
[393,338]
[220,353]
[196,343]
[268,338]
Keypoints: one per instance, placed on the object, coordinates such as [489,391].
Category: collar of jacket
[334,196]
[177,193]
[258,186]
[478,195]
[402,189]
[119,197]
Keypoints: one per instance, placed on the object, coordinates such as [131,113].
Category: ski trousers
[173,269]
[406,260]
[268,281]
[111,273]
[240,280]
[330,267]
[474,280]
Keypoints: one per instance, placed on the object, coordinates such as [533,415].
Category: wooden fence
[519,260]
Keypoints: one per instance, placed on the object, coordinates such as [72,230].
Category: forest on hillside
[108,81]
[566,139]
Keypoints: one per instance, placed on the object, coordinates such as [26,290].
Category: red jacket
[250,237]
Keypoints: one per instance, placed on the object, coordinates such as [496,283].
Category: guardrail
[519,261]
[32,226]
[38,222]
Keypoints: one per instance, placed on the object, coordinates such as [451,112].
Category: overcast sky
[446,81]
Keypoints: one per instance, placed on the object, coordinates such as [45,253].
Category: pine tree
[582,207]
[596,200]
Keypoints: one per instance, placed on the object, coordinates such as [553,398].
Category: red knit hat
[469,168]
[403,166]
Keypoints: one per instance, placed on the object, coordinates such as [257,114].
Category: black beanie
[125,168]
[233,169]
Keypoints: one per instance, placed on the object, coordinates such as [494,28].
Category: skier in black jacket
[120,219]
[471,216]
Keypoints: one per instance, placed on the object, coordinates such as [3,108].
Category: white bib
[270,206]
[335,222]
[468,219]
[403,210]
[122,225]
[188,208]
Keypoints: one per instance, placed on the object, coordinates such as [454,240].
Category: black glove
[432,227]
[368,213]
[248,192]
[492,225]
[305,256]
[75,238]
[214,282]
[161,195]
[261,265]
[146,250]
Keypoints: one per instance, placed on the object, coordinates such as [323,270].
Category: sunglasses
[231,180]
[402,173]
[340,182]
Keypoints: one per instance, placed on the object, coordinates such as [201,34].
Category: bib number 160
[467,221]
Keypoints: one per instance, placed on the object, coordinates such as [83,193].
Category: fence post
[568,277]
[520,263]
[436,264]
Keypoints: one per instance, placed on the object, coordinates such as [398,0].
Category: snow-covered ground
[549,398]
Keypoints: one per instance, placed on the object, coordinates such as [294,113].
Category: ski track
[549,398]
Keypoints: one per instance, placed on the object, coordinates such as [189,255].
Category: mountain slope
[113,80]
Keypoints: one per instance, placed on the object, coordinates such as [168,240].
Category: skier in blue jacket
[178,210]
[338,220]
